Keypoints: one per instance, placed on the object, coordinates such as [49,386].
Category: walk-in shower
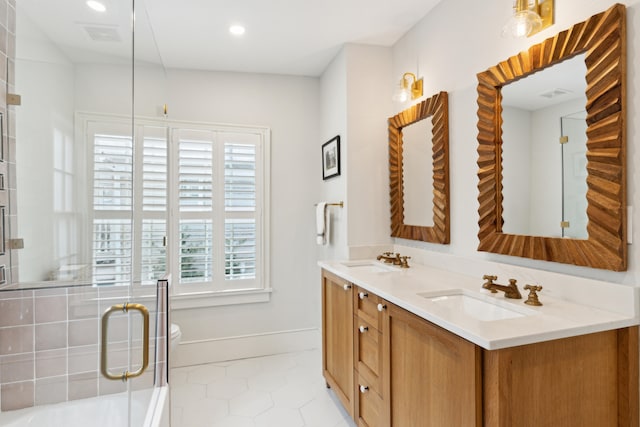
[83,292]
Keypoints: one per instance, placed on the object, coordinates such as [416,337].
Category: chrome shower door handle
[104,369]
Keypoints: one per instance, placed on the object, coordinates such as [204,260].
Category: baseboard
[198,352]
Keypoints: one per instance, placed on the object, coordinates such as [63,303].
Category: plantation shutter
[153,254]
[195,202]
[112,204]
[240,152]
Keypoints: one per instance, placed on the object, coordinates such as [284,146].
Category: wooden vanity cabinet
[368,360]
[401,370]
[587,380]
[337,337]
[431,376]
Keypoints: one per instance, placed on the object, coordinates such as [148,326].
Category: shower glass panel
[574,176]
[76,230]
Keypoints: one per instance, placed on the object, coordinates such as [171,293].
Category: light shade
[402,93]
[529,17]
[410,87]
[522,24]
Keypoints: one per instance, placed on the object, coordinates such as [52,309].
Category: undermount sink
[369,266]
[476,305]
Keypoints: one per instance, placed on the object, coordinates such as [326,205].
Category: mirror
[74,69]
[533,152]
[417,173]
[601,41]
[419,142]
[574,175]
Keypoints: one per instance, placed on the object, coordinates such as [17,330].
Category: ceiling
[548,87]
[295,37]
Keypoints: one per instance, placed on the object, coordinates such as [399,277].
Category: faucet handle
[533,295]
[403,261]
[489,281]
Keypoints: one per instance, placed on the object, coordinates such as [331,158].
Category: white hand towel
[322,237]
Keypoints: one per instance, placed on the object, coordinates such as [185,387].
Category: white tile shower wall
[50,344]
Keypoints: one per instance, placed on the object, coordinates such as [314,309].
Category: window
[199,200]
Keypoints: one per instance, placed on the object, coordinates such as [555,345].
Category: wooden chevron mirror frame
[602,38]
[436,107]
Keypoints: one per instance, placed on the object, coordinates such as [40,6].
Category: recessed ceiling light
[236,30]
[96,5]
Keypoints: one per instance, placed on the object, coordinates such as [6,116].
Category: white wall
[450,48]
[516,171]
[355,103]
[368,106]
[44,125]
[290,107]
[333,121]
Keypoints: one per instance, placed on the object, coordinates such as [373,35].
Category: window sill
[213,299]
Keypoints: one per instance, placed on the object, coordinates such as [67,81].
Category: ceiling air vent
[103,34]
[554,93]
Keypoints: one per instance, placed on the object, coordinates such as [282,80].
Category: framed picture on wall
[331,158]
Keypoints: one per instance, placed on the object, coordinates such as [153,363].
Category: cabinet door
[589,381]
[432,377]
[337,337]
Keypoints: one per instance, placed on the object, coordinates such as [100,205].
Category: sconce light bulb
[522,24]
[401,94]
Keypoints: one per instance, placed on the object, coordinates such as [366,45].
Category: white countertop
[553,320]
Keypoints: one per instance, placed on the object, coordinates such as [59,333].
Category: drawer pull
[363,329]
[381,307]
[346,287]
[364,389]
[363,295]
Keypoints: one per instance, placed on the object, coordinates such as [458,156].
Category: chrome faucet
[510,291]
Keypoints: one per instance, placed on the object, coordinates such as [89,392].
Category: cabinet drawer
[369,406]
[368,352]
[366,307]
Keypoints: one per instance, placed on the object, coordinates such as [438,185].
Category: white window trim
[203,296]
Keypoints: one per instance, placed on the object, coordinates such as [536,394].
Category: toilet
[175,337]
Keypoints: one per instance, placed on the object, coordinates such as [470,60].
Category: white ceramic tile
[178,376]
[234,421]
[245,368]
[205,374]
[176,415]
[250,403]
[226,388]
[321,412]
[310,359]
[304,375]
[267,381]
[295,395]
[281,417]
[278,363]
[204,412]
[188,393]
[285,390]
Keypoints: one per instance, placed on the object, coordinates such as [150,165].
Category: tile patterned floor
[285,390]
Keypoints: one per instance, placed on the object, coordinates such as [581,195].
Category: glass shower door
[75,217]
[574,176]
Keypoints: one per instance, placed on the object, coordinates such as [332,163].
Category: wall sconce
[410,87]
[529,17]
